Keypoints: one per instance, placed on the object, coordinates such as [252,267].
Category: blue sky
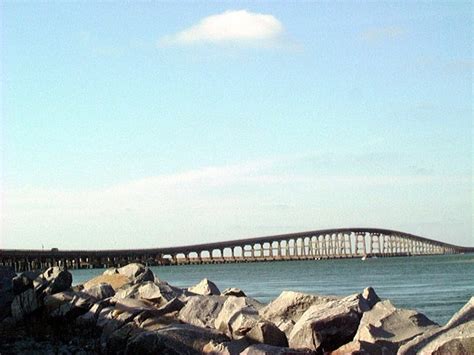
[157,124]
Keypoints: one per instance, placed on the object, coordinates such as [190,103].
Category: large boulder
[137,272]
[202,311]
[24,281]
[286,309]
[264,349]
[160,315]
[24,304]
[237,317]
[326,327]
[100,291]
[206,288]
[157,293]
[117,340]
[456,337]
[52,302]
[233,347]
[58,280]
[387,328]
[89,318]
[115,280]
[265,332]
[6,291]
[173,339]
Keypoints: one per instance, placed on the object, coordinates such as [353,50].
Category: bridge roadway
[310,245]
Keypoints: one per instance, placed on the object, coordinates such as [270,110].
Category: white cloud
[233,26]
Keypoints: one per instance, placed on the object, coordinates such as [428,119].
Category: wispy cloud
[233,26]
[205,203]
[378,34]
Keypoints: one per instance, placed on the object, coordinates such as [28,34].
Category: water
[437,286]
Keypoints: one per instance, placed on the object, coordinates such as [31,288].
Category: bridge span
[310,245]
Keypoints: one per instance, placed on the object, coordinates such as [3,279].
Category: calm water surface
[437,286]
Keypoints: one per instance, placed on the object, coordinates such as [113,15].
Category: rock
[24,281]
[116,281]
[145,276]
[155,323]
[233,347]
[456,337]
[137,272]
[357,347]
[388,327]
[127,308]
[104,316]
[52,302]
[263,349]
[100,291]
[173,339]
[111,271]
[58,280]
[90,317]
[265,332]
[117,340]
[24,304]
[6,291]
[205,288]
[202,311]
[233,291]
[172,306]
[287,308]
[159,294]
[328,326]
[146,343]
[237,317]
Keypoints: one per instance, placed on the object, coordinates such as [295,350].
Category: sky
[156,124]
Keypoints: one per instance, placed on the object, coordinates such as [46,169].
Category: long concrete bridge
[311,245]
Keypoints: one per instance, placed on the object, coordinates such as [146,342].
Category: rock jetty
[129,310]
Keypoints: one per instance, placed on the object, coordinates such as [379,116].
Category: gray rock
[237,316]
[52,302]
[24,304]
[328,326]
[145,276]
[158,294]
[58,280]
[172,307]
[100,291]
[387,328]
[116,342]
[6,291]
[287,308]
[456,337]
[265,332]
[202,311]
[264,349]
[233,347]
[206,288]
[174,339]
[89,318]
[137,272]
[234,291]
[104,316]
[24,281]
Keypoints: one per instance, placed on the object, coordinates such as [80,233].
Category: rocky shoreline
[130,311]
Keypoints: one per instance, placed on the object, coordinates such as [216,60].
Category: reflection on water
[435,285]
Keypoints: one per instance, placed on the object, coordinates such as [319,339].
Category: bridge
[310,245]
